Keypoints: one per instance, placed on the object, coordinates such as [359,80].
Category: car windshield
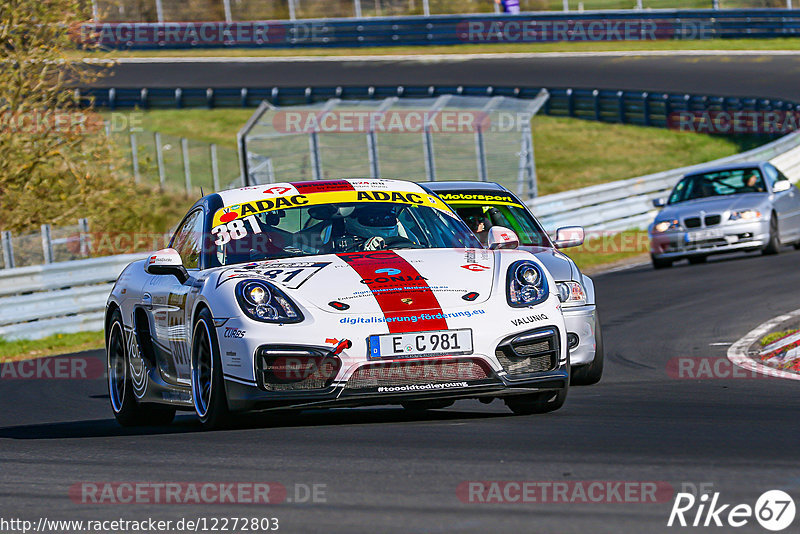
[481,211]
[329,228]
[721,183]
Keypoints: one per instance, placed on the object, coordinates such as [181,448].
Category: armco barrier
[64,297]
[449,29]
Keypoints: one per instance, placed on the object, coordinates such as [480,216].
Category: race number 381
[236,229]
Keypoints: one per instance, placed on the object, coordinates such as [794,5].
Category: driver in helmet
[375,223]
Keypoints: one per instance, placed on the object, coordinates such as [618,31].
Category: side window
[188,239]
[772,174]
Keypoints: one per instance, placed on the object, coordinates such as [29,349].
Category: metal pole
[214,167]
[714,4]
[162,177]
[292,13]
[639,5]
[187,172]
[8,250]
[426,8]
[480,152]
[788,4]
[565,5]
[160,11]
[227,5]
[135,157]
[83,224]
[47,244]
[430,160]
[270,171]
[527,168]
[313,147]
[357,5]
[95,11]
[497,7]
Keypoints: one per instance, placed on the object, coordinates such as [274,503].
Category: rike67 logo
[774,510]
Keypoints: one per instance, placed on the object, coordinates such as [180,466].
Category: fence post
[227,5]
[565,5]
[426,8]
[83,225]
[160,11]
[527,165]
[187,172]
[621,104]
[95,11]
[214,167]
[8,250]
[135,157]
[316,163]
[372,153]
[596,103]
[292,13]
[646,107]
[480,152]
[160,160]
[357,6]
[47,244]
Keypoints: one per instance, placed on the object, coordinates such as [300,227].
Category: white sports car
[332,293]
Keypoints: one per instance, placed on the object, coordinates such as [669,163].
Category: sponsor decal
[475,267]
[421,387]
[420,318]
[391,302]
[529,319]
[390,272]
[407,301]
[290,275]
[469,297]
[323,186]
[232,332]
[341,306]
[479,198]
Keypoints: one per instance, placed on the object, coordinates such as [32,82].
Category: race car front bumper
[730,237]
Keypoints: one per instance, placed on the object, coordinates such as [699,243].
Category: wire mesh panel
[442,138]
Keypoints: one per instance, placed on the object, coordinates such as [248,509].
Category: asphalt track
[386,470]
[727,74]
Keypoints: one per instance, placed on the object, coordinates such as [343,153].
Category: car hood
[713,205]
[404,279]
[559,265]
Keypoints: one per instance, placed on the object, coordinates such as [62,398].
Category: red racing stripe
[401,292]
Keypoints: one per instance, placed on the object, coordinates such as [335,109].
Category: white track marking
[737,353]
[435,58]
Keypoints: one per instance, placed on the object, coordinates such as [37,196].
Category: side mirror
[569,236]
[502,237]
[166,261]
[659,202]
[781,185]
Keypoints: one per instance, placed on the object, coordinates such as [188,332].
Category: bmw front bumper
[582,321]
[731,237]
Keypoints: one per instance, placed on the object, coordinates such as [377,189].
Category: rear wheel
[696,260]
[127,410]
[660,263]
[208,386]
[773,246]
[544,402]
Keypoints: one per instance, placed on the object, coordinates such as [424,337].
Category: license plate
[417,344]
[704,235]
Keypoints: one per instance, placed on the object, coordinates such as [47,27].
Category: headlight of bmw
[571,293]
[745,215]
[665,226]
[527,284]
[266,303]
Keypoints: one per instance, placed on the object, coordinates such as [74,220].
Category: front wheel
[544,402]
[773,246]
[660,263]
[127,410]
[208,386]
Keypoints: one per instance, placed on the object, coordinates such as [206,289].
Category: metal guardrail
[440,30]
[627,204]
[65,297]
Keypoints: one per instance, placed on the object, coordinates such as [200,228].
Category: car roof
[728,167]
[254,192]
[462,185]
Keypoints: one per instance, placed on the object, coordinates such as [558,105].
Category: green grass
[775,336]
[607,151]
[57,344]
[492,48]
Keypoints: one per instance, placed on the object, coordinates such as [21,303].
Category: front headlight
[745,215]
[571,293]
[266,303]
[664,226]
[527,285]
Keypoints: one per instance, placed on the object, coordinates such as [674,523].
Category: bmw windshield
[721,183]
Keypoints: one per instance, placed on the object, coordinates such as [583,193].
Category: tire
[548,401]
[660,263]
[586,375]
[127,410]
[797,246]
[697,260]
[208,385]
[773,246]
[421,406]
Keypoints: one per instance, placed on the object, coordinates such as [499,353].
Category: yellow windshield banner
[245,209]
[482,199]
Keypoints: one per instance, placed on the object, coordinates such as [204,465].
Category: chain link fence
[50,245]
[250,10]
